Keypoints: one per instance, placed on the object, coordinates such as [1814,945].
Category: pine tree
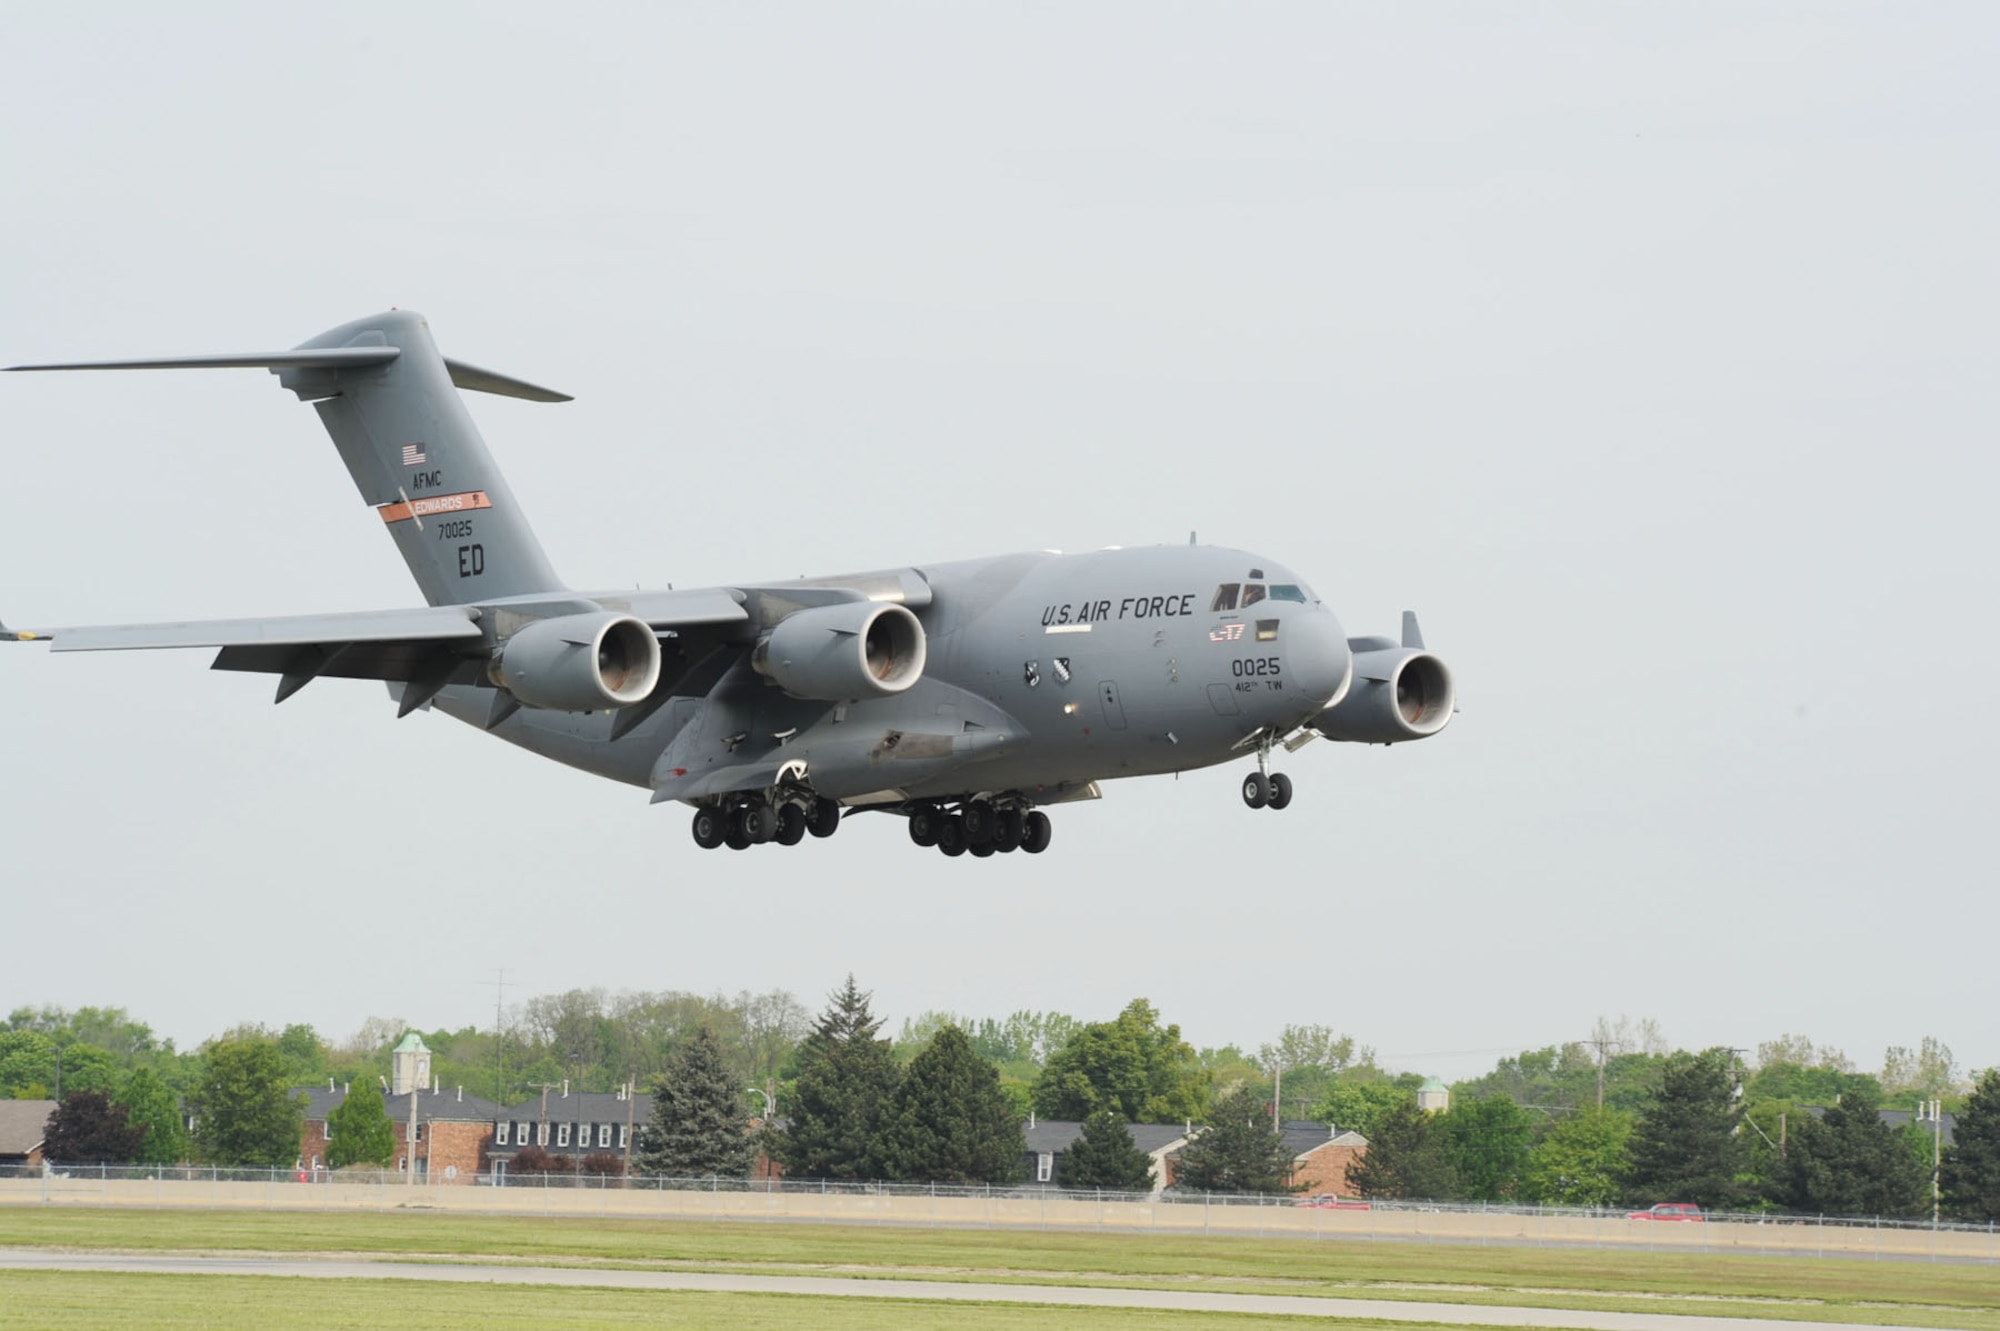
[843,1094]
[1239,1151]
[951,1122]
[1684,1148]
[89,1127]
[699,1127]
[1405,1158]
[359,1132]
[1106,1157]
[157,1109]
[1849,1162]
[1970,1174]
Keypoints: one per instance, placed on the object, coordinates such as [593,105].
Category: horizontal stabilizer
[473,379]
[317,358]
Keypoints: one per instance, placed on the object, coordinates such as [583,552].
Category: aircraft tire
[1008,829]
[1256,790]
[711,827]
[1036,832]
[791,825]
[736,838]
[824,820]
[1281,790]
[984,849]
[951,837]
[759,823]
[924,824]
[979,818]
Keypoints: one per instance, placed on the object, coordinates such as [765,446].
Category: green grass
[1847,1290]
[74,1300]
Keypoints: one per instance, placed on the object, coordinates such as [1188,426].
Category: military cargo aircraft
[967,697]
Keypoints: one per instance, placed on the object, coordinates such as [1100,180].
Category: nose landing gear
[1263,788]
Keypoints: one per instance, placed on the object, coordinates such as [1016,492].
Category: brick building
[1321,1154]
[23,1124]
[571,1125]
[444,1135]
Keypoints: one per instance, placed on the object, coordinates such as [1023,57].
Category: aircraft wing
[424,624]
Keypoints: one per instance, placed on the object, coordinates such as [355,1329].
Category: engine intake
[580,663]
[841,653]
[1399,693]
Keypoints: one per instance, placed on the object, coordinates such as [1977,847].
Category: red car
[1326,1201]
[1669,1211]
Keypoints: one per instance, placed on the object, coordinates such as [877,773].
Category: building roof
[1051,1135]
[448,1105]
[1896,1118]
[23,1124]
[1303,1136]
[412,1043]
[1433,1084]
[582,1107]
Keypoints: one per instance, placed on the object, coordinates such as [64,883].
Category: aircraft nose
[1319,659]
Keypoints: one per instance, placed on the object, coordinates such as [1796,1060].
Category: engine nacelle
[1399,693]
[841,653]
[579,663]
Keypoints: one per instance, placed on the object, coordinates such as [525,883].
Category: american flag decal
[413,455]
[1227,633]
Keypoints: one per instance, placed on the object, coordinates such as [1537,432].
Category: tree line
[1615,1120]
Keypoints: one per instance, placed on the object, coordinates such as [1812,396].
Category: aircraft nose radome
[1320,659]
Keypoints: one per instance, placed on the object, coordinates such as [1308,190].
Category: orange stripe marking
[423,508]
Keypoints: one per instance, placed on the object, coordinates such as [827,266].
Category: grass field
[1861,1292]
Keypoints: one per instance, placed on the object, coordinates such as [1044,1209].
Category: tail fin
[387,397]
[416,456]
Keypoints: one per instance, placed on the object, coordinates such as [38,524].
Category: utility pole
[1937,1156]
[542,1134]
[1603,1047]
[630,1083]
[499,983]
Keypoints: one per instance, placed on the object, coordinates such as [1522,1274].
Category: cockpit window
[1287,591]
[1225,597]
[1253,592]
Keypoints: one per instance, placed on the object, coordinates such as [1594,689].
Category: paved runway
[31,1259]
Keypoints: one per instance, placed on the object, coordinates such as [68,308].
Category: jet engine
[1399,693]
[579,663]
[838,653]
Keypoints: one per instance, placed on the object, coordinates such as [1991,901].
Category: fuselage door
[1114,711]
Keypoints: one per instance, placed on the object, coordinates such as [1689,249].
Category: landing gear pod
[842,653]
[580,663]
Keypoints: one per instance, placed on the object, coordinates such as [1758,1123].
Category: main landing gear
[1263,788]
[980,827]
[752,822]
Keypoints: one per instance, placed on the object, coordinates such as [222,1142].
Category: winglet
[20,635]
[1413,637]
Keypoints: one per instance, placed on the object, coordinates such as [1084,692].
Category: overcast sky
[1647,351]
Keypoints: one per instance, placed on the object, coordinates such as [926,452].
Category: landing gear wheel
[1008,829]
[791,825]
[711,826]
[1035,832]
[736,838]
[925,824]
[951,837]
[979,819]
[1256,790]
[759,822]
[1281,790]
[824,820]
[984,849]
